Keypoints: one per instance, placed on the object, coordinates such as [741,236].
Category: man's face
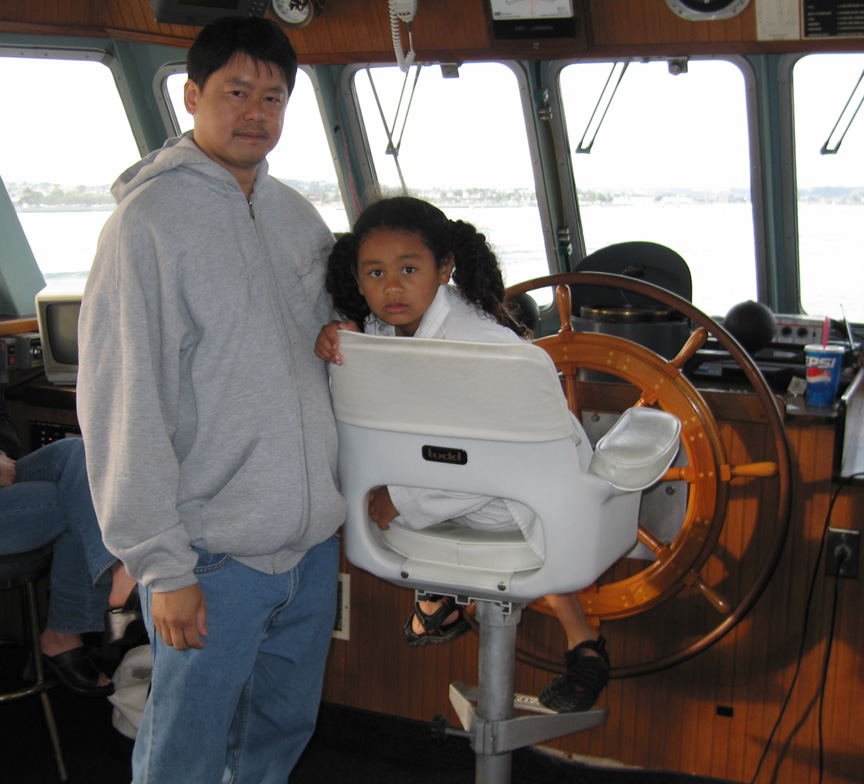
[239,114]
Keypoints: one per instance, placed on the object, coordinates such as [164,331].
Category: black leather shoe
[75,670]
[124,626]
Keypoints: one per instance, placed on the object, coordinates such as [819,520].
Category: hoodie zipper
[251,211]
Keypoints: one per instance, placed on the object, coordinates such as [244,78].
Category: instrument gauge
[707,10]
[297,13]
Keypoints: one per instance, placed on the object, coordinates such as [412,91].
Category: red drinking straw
[825,333]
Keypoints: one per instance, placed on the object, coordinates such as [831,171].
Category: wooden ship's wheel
[707,472]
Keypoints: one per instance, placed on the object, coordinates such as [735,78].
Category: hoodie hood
[177,151]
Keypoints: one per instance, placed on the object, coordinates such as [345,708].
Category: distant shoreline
[68,208]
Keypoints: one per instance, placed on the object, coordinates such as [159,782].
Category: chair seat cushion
[638,449]
[456,545]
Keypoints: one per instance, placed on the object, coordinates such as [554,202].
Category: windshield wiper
[831,149]
[604,101]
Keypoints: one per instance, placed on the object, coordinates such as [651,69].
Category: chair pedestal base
[21,571]
[492,724]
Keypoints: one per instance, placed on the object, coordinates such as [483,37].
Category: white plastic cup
[822,371]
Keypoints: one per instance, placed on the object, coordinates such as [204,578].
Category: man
[210,441]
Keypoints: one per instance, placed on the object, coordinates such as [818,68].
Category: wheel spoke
[714,597]
[760,470]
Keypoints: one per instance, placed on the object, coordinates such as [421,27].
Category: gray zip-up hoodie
[206,415]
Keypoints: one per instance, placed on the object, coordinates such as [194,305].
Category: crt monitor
[57,314]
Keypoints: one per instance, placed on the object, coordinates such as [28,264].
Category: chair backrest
[488,419]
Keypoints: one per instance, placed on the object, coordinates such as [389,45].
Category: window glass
[669,164]
[462,145]
[59,157]
[302,158]
[830,197]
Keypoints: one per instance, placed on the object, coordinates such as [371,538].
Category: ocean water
[715,239]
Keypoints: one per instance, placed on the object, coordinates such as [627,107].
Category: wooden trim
[18,325]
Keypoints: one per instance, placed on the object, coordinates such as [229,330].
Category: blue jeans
[50,502]
[242,708]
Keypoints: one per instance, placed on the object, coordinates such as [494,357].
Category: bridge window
[669,163]
[459,142]
[60,149]
[829,160]
[302,158]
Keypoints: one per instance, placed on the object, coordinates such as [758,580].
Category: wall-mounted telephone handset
[402,10]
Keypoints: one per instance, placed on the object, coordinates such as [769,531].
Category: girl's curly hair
[476,271]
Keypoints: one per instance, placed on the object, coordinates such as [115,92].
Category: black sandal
[434,629]
[75,670]
[579,687]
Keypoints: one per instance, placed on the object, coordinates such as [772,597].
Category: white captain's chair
[489,419]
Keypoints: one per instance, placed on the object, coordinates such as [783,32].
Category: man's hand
[381,508]
[327,343]
[180,617]
[7,471]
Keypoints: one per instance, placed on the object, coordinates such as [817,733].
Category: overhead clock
[706,10]
[297,13]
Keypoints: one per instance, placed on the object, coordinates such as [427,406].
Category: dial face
[706,10]
[293,12]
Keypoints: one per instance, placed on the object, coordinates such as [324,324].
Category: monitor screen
[57,314]
[61,323]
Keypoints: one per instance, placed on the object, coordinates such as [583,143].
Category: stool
[21,571]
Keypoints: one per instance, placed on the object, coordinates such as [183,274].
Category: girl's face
[398,277]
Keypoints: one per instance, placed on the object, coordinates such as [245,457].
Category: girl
[390,276]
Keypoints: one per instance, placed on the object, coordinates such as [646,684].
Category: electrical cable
[824,678]
[845,481]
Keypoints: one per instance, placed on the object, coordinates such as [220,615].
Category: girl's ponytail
[341,281]
[478,275]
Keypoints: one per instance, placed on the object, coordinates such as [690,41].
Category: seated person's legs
[50,502]
[440,620]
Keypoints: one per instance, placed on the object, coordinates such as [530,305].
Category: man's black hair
[261,39]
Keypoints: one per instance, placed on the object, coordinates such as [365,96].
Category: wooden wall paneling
[850,668]
[137,16]
[608,19]
[447,30]
[796,582]
[750,498]
[843,711]
[798,734]
[461,25]
[651,22]
[358,30]
[349,26]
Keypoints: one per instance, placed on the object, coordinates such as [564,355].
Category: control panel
[20,352]
[42,433]
[798,330]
